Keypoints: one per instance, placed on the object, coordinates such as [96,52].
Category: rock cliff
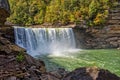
[98,37]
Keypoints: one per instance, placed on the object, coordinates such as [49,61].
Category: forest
[64,12]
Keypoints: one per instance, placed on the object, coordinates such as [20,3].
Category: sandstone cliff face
[4,10]
[107,37]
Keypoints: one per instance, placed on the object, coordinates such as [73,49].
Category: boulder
[6,47]
[4,10]
[54,75]
[7,32]
[90,73]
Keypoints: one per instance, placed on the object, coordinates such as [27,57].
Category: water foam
[37,41]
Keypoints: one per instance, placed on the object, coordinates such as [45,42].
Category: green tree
[29,12]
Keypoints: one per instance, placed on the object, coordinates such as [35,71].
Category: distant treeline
[30,12]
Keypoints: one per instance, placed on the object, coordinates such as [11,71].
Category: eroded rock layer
[101,37]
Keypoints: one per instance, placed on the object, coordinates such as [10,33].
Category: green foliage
[93,9]
[30,12]
[100,19]
[20,57]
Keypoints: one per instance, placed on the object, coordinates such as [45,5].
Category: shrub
[20,57]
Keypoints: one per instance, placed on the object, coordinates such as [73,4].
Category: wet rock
[78,74]
[118,48]
[106,75]
[90,73]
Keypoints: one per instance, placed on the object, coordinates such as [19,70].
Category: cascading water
[45,40]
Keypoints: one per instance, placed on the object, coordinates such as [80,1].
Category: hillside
[60,12]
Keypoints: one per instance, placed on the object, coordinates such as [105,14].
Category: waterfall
[45,40]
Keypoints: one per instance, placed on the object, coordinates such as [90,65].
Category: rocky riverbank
[16,64]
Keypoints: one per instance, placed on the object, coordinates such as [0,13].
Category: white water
[45,40]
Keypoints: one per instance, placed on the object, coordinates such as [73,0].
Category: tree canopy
[29,12]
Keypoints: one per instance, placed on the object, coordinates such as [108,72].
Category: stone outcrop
[4,10]
[107,37]
[90,73]
[7,32]
[83,73]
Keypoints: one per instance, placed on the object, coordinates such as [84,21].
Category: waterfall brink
[45,40]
